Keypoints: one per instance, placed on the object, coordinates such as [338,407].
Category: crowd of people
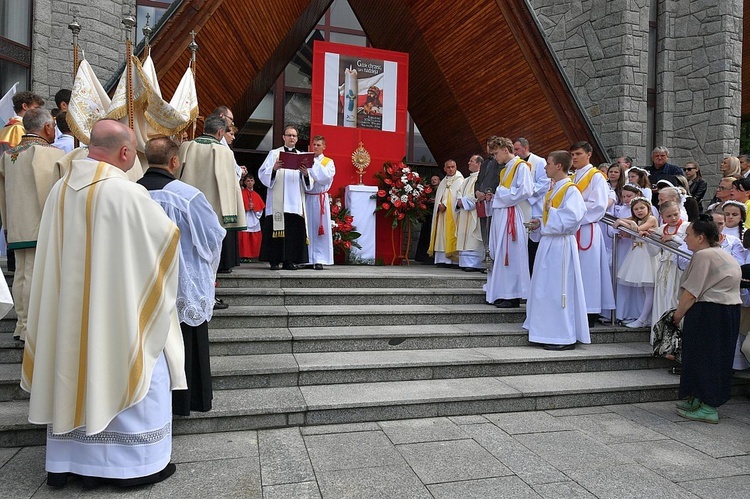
[141,325]
[541,235]
[194,212]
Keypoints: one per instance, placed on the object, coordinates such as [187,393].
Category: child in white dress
[668,272]
[629,298]
[638,268]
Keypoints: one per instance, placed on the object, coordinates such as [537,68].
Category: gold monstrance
[361,160]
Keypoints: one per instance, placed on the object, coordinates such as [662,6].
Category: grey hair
[522,141]
[661,149]
[213,124]
[35,119]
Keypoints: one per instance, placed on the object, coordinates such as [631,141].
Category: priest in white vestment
[285,236]
[508,280]
[556,308]
[103,349]
[597,277]
[318,207]
[443,234]
[27,173]
[468,229]
[201,237]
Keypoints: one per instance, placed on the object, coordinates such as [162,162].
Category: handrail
[653,239]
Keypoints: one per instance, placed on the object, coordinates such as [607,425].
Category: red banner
[360,94]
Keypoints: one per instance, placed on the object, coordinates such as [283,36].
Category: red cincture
[591,239]
[510,229]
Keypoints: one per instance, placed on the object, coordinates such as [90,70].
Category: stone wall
[699,73]
[603,47]
[102,38]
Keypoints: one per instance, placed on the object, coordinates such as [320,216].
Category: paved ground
[639,450]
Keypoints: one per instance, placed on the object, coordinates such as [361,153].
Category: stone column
[699,76]
[603,47]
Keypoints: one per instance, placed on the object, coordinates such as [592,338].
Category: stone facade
[102,38]
[603,46]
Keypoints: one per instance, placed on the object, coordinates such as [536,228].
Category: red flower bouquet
[402,194]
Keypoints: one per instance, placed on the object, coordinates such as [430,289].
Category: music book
[293,161]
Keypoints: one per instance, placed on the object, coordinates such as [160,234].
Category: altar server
[508,281]
[318,207]
[597,278]
[443,234]
[556,308]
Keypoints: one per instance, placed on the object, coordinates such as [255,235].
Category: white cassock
[556,308]
[541,184]
[668,275]
[597,278]
[509,277]
[293,185]
[443,234]
[468,231]
[318,207]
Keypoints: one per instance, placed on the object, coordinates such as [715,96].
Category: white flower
[404,179]
[408,188]
[394,198]
[404,198]
[420,187]
[406,170]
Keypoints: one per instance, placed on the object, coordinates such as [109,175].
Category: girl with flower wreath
[734,215]
[638,267]
[668,272]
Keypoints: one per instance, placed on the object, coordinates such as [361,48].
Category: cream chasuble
[209,167]
[443,234]
[103,305]
[468,230]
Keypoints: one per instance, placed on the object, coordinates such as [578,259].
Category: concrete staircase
[353,344]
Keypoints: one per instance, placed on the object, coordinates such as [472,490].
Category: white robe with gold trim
[468,230]
[318,209]
[103,303]
[443,234]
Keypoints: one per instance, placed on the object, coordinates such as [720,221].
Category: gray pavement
[636,450]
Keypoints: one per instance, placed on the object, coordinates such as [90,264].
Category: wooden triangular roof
[477,67]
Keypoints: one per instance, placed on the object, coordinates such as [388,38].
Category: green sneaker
[704,413]
[690,404]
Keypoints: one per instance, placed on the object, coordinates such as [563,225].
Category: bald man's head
[114,143]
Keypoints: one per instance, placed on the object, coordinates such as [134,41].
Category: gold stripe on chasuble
[149,307]
[86,302]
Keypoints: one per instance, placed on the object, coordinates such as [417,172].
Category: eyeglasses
[720,188]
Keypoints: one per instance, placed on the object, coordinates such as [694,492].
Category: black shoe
[443,265]
[224,271]
[672,370]
[512,303]
[274,266]
[559,348]
[593,319]
[471,269]
[57,480]
[290,266]
[167,472]
[318,266]
[219,304]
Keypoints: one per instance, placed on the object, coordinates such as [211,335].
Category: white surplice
[509,276]
[294,186]
[468,231]
[447,193]
[318,206]
[597,278]
[556,308]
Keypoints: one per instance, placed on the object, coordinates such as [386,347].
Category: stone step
[352,296]
[264,341]
[258,276]
[302,369]
[361,315]
[251,409]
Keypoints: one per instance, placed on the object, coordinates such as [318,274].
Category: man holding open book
[284,230]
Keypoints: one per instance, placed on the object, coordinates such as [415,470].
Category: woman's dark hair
[692,209]
[706,227]
[620,180]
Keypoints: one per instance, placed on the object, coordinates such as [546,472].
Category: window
[154,8]
[15,44]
